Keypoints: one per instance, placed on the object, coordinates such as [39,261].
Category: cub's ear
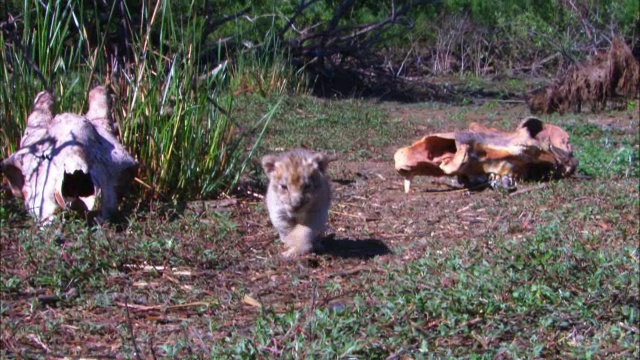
[269,163]
[322,161]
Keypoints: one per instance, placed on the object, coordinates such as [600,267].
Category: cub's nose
[297,203]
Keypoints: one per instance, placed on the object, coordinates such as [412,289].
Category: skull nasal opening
[77,184]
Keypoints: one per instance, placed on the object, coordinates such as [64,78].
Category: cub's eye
[284,187]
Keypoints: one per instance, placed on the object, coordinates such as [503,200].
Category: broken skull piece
[68,160]
[535,150]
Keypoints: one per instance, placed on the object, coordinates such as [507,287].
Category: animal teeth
[59,199]
[88,201]
[407,185]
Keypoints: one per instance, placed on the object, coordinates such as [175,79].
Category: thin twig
[35,338]
[470,322]
[522,191]
[52,299]
[311,312]
[313,296]
[153,352]
[130,325]
[339,14]
[629,328]
[346,214]
[186,340]
[416,326]
[398,354]
[163,307]
[214,24]
[351,271]
[303,5]
[614,157]
[217,106]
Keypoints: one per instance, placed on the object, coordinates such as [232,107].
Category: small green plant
[605,153]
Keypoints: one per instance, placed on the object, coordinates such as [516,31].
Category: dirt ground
[373,226]
[372,223]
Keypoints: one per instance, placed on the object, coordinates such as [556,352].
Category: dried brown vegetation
[612,75]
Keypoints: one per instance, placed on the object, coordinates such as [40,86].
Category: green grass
[605,152]
[332,126]
[176,113]
[563,291]
[554,276]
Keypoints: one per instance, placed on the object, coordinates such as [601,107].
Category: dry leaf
[251,301]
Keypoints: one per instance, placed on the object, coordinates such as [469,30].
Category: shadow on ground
[350,248]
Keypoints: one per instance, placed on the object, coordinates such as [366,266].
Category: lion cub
[298,197]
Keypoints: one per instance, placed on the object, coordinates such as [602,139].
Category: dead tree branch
[301,7]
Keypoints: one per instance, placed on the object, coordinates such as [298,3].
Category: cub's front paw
[293,252]
[299,241]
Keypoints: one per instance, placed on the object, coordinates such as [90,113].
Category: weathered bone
[533,151]
[68,160]
[39,119]
[99,112]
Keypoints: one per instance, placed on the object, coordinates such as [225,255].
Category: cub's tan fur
[298,197]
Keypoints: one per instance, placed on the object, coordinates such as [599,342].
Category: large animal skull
[533,150]
[65,161]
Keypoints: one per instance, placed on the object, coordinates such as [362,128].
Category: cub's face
[295,177]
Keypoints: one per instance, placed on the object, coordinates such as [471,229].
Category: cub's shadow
[347,248]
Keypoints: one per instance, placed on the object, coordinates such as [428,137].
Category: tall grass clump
[34,54]
[175,106]
[185,108]
[267,70]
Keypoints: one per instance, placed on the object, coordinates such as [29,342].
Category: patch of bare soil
[373,225]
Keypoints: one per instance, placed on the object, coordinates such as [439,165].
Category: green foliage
[605,153]
[176,113]
[565,286]
[494,12]
[502,36]
[28,66]
[544,284]
[332,125]
[551,271]
[83,257]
